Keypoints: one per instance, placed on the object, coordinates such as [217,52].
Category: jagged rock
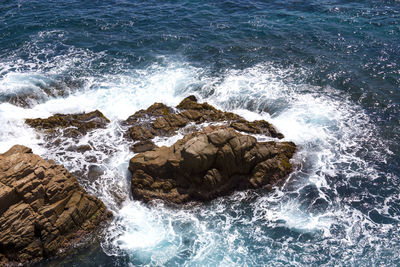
[213,162]
[42,207]
[63,131]
[161,120]
[74,124]
[256,127]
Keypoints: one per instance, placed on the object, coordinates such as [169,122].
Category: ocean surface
[325,73]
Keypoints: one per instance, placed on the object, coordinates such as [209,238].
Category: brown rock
[76,124]
[143,146]
[207,164]
[83,148]
[141,132]
[170,122]
[157,109]
[42,207]
[256,127]
[161,120]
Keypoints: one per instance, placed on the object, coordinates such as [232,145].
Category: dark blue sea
[325,73]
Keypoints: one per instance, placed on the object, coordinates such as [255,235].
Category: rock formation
[206,163]
[143,146]
[43,209]
[213,162]
[161,120]
[74,125]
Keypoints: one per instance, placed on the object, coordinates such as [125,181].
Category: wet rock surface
[63,133]
[143,146]
[43,209]
[210,163]
[74,125]
[161,120]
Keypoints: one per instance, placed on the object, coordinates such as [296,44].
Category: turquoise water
[326,73]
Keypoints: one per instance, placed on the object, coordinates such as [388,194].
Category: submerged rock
[20,99]
[213,162]
[41,91]
[161,120]
[43,209]
[74,124]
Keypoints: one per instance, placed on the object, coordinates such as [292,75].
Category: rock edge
[43,209]
[207,164]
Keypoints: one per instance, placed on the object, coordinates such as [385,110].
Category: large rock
[43,209]
[213,162]
[161,120]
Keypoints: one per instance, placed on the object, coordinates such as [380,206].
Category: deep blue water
[326,73]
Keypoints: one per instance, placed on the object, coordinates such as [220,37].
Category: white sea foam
[14,82]
[329,129]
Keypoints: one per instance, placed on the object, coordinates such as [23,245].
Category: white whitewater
[329,130]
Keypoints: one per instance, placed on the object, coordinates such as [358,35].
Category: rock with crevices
[161,120]
[43,209]
[74,125]
[207,164]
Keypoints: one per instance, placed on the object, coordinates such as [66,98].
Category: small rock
[83,148]
[77,124]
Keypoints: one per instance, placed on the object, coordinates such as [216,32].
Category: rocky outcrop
[206,163]
[213,162]
[43,209]
[161,120]
[74,125]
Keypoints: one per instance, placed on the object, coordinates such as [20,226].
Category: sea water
[325,73]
